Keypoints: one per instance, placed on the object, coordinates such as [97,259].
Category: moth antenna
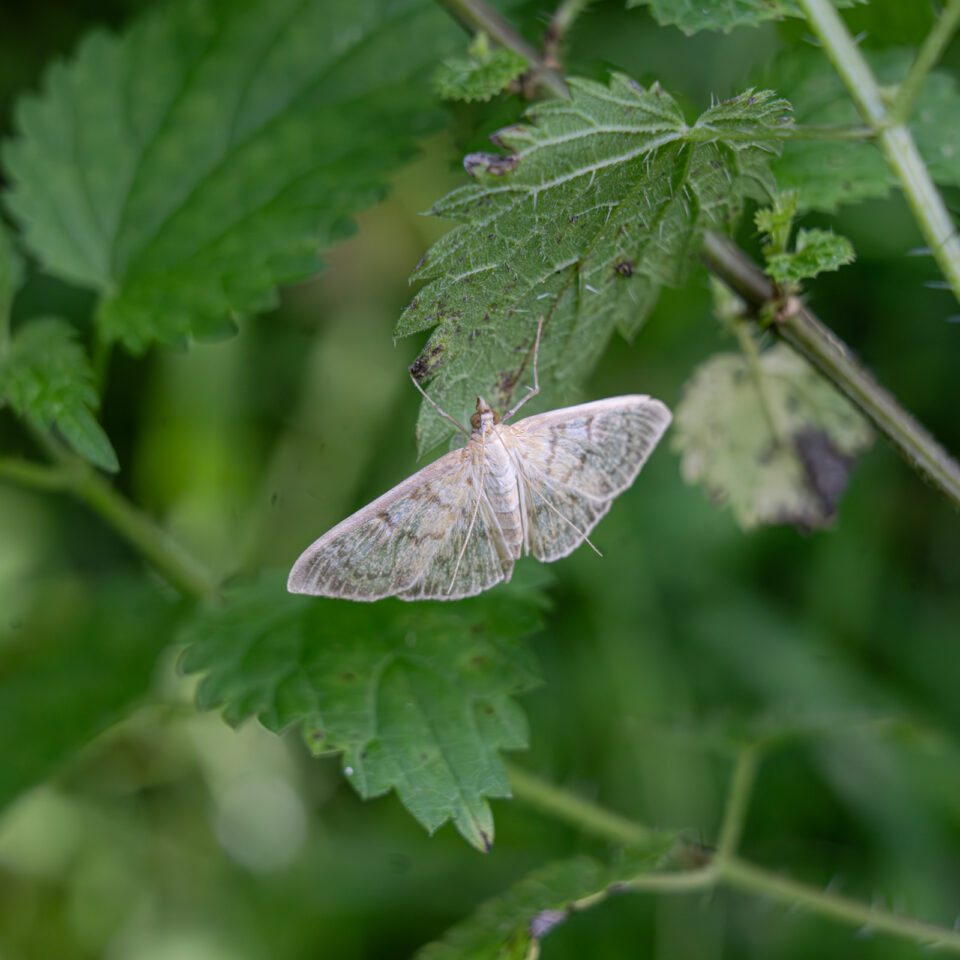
[436,406]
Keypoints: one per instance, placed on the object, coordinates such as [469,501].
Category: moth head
[484,414]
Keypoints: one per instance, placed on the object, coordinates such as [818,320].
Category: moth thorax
[484,417]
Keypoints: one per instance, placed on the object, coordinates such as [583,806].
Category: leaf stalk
[893,136]
[799,327]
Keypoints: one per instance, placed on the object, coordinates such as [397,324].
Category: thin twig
[930,53]
[561,21]
[738,799]
[476,16]
[808,336]
[71,475]
[567,806]
[893,136]
[722,868]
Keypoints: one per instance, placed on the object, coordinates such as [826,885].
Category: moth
[456,527]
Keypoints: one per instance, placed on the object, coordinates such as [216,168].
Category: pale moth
[456,527]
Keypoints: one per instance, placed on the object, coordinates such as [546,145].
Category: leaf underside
[722,428]
[601,200]
[693,15]
[416,697]
[506,927]
[188,166]
[46,378]
[828,173]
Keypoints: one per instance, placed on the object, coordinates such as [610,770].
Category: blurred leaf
[509,927]
[815,252]
[693,15]
[186,167]
[77,664]
[11,273]
[600,200]
[481,75]
[416,696]
[47,379]
[830,173]
[728,444]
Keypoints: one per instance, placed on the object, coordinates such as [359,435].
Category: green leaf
[693,15]
[47,379]
[78,663]
[481,75]
[11,273]
[828,173]
[510,927]
[186,167]
[815,252]
[416,697]
[601,200]
[723,429]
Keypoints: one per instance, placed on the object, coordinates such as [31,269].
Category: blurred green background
[174,836]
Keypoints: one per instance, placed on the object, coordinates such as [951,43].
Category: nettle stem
[889,123]
[73,476]
[722,867]
[800,328]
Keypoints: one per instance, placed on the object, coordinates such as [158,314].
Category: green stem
[829,131]
[164,553]
[561,21]
[567,806]
[738,800]
[36,475]
[737,873]
[724,868]
[799,327]
[930,53]
[893,136]
[476,15]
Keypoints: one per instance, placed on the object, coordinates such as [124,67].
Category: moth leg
[535,389]
[436,406]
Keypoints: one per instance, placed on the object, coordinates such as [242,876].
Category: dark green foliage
[188,166]
[416,697]
[598,203]
[510,926]
[45,377]
[828,173]
[76,664]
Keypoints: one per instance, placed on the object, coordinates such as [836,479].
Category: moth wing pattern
[576,460]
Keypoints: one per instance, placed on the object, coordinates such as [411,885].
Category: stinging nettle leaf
[815,252]
[510,926]
[828,173]
[794,474]
[601,200]
[188,166]
[47,378]
[481,75]
[693,15]
[417,698]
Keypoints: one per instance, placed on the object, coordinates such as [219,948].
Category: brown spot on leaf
[827,469]
[492,164]
[428,361]
[624,268]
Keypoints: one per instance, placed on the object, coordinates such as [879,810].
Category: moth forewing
[455,528]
